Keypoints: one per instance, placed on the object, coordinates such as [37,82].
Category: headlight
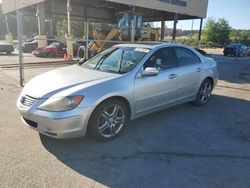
[59,104]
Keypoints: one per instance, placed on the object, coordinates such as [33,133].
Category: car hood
[30,42]
[64,78]
[46,49]
[5,44]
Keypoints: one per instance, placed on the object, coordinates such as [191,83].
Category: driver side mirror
[150,71]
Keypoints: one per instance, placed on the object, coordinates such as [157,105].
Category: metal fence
[58,39]
[55,45]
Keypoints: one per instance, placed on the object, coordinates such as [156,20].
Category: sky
[237,12]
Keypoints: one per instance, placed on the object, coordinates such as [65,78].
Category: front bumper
[62,125]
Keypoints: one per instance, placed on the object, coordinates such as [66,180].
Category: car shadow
[145,151]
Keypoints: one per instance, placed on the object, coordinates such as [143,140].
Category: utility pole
[192,28]
[69,19]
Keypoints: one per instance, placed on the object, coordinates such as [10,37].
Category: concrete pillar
[200,32]
[8,36]
[41,18]
[175,25]
[69,47]
[42,41]
[133,26]
[42,38]
[162,29]
[69,37]
[51,26]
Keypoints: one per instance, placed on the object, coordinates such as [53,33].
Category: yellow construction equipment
[129,28]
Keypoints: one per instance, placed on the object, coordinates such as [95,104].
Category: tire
[108,120]
[204,93]
[225,54]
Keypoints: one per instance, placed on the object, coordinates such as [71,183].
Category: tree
[217,32]
[242,36]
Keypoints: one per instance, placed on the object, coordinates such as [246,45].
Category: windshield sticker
[142,50]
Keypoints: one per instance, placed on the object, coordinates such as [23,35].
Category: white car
[124,82]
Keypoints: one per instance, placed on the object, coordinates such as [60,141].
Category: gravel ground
[184,146]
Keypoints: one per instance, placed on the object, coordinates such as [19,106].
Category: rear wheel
[204,93]
[108,120]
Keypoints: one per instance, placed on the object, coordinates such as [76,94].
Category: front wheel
[204,93]
[108,120]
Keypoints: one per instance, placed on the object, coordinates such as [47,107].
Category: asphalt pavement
[184,146]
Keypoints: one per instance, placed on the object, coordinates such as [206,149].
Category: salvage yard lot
[184,146]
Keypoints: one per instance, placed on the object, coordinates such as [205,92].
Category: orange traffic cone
[65,56]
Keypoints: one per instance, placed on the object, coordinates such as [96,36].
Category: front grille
[28,100]
[30,123]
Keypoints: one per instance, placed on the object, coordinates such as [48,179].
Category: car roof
[4,43]
[149,45]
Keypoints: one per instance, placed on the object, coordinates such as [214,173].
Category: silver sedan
[101,95]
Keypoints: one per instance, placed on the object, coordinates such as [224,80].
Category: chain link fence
[46,40]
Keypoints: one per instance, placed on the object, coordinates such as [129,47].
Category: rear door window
[186,57]
[163,59]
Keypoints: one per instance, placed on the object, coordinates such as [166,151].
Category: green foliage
[242,36]
[191,41]
[216,32]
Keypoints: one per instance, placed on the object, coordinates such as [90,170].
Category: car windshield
[54,45]
[117,60]
[234,46]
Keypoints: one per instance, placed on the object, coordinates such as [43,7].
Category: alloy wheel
[111,121]
[205,92]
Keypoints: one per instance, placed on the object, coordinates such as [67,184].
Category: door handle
[172,76]
[198,70]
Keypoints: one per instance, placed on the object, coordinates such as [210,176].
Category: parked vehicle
[30,45]
[235,50]
[56,49]
[53,50]
[119,84]
[6,47]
